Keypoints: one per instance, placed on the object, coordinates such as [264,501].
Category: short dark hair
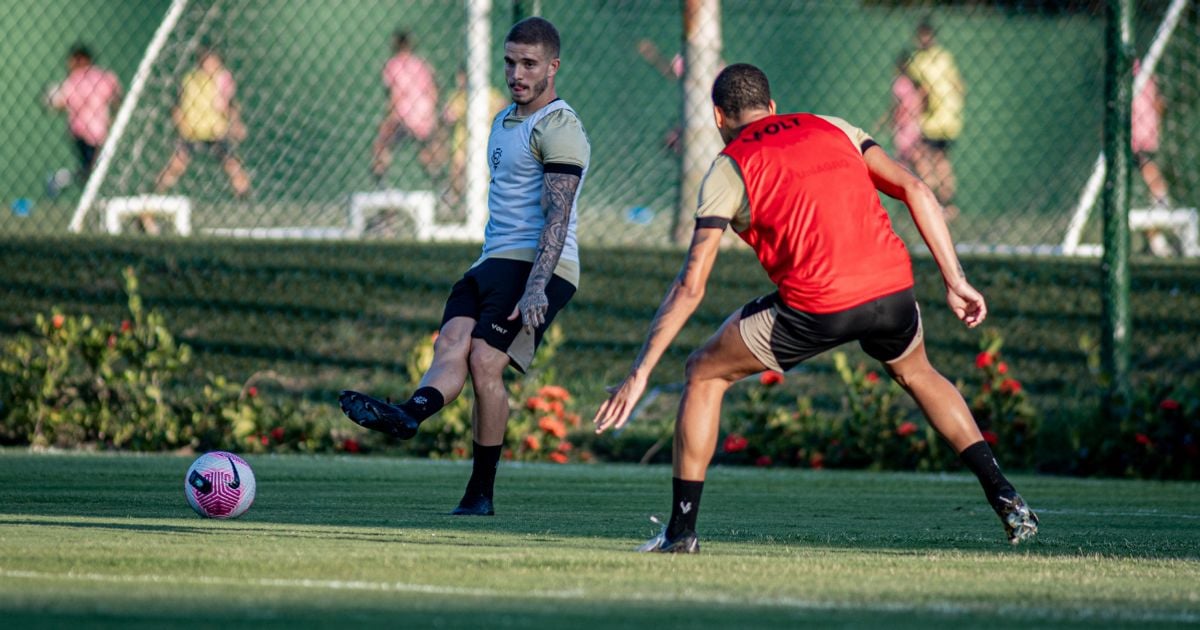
[80,51]
[533,31]
[741,87]
[926,26]
[401,40]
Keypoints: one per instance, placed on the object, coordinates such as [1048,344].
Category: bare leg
[237,176]
[174,170]
[381,152]
[1155,182]
[722,361]
[940,401]
[448,372]
[487,377]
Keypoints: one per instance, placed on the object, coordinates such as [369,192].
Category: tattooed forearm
[558,197]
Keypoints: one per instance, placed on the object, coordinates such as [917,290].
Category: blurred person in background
[88,95]
[903,119]
[209,121]
[412,107]
[935,73]
[1148,108]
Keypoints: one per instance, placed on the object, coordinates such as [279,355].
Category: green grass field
[108,541]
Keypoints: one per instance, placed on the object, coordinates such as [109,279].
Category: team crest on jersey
[496,153]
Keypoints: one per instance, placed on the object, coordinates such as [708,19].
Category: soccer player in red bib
[800,189]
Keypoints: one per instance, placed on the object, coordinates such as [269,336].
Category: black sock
[979,458]
[685,504]
[483,474]
[425,402]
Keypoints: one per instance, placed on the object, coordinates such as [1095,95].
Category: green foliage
[1006,418]
[84,382]
[1156,434]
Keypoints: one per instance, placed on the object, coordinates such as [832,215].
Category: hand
[967,303]
[615,411]
[532,309]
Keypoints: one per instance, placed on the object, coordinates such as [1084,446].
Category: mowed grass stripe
[583,595]
[85,536]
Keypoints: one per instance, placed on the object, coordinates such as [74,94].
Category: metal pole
[701,142]
[1118,97]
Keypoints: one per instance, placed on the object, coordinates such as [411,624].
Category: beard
[533,92]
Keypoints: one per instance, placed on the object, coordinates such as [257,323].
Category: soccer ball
[219,485]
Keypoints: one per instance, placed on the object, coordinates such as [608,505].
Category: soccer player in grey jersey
[538,155]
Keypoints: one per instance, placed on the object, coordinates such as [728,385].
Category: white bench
[1184,222]
[177,209]
[418,203]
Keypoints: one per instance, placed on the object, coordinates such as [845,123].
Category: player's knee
[486,363]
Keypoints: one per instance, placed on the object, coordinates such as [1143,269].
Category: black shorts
[87,155]
[489,292]
[938,144]
[781,337]
[219,149]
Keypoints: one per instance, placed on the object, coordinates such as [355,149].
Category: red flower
[735,443]
[770,378]
[984,359]
[1143,439]
[508,454]
[57,321]
[1002,368]
[537,403]
[350,445]
[126,326]
[460,451]
[252,391]
[872,378]
[572,419]
[532,443]
[906,429]
[558,458]
[555,392]
[817,461]
[1169,404]
[277,434]
[553,426]
[990,437]
[556,408]
[265,441]
[565,447]
[1010,386]
[763,461]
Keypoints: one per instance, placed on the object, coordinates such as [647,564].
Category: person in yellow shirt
[208,121]
[934,71]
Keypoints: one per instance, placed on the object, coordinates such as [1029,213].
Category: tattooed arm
[558,200]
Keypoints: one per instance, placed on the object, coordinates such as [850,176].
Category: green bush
[79,382]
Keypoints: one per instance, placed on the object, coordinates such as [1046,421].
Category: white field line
[941,608]
[1141,513]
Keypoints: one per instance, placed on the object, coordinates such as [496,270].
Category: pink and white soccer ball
[219,485]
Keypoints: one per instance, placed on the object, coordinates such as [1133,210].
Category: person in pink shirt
[1146,115]
[412,106]
[88,95]
[905,115]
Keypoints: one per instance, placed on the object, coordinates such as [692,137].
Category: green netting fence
[328,276]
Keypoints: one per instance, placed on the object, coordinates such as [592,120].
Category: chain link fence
[251,291]
[306,83]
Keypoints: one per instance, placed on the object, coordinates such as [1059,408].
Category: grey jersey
[515,214]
